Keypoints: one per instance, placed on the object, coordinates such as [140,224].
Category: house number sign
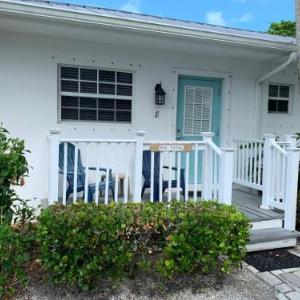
[171,147]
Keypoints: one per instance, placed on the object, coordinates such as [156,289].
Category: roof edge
[63,15]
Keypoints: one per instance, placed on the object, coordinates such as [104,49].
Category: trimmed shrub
[210,236]
[13,255]
[81,242]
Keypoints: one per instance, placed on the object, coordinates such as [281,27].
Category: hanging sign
[171,147]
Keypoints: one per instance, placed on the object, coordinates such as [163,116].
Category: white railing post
[138,165]
[267,169]
[291,139]
[207,167]
[291,187]
[53,166]
[226,175]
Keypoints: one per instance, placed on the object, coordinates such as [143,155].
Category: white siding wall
[28,95]
[282,123]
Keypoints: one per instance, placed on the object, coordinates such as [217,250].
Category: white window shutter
[197,110]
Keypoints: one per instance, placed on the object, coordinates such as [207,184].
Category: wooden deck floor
[250,205]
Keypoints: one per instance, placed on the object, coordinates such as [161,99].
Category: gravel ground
[243,285]
[240,285]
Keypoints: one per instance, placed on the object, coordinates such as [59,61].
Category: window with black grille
[279,98]
[90,94]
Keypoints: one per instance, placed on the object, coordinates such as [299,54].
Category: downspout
[257,109]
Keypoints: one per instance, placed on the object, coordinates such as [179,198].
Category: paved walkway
[285,282]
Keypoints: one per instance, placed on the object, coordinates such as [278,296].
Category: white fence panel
[174,167]
[95,170]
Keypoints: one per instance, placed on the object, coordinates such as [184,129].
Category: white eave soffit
[65,16]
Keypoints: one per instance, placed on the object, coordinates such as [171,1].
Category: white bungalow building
[97,76]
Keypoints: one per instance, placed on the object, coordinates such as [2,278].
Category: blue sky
[246,14]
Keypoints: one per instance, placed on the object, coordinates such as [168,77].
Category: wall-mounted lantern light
[160,95]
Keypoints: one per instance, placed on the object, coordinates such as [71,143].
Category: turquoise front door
[198,110]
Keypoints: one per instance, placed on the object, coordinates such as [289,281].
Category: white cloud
[215,17]
[246,17]
[132,6]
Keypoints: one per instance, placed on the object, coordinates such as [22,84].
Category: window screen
[197,106]
[279,98]
[93,94]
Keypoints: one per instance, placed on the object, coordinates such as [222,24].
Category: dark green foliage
[82,242]
[24,223]
[17,244]
[13,255]
[13,168]
[14,241]
[211,236]
[284,28]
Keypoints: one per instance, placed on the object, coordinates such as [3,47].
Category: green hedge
[82,242]
[210,236]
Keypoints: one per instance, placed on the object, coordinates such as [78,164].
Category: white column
[226,175]
[207,167]
[267,166]
[291,188]
[291,139]
[138,165]
[53,166]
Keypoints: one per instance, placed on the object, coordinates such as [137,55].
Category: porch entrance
[198,110]
[93,168]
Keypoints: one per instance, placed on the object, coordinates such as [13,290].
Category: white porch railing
[101,170]
[271,167]
[248,163]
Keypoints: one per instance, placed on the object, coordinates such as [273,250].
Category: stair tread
[271,234]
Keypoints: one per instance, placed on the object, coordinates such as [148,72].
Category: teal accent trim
[216,85]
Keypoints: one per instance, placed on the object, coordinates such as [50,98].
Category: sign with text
[171,147]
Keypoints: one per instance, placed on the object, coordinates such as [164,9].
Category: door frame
[225,136]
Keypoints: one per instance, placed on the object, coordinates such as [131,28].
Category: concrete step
[271,238]
[267,224]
